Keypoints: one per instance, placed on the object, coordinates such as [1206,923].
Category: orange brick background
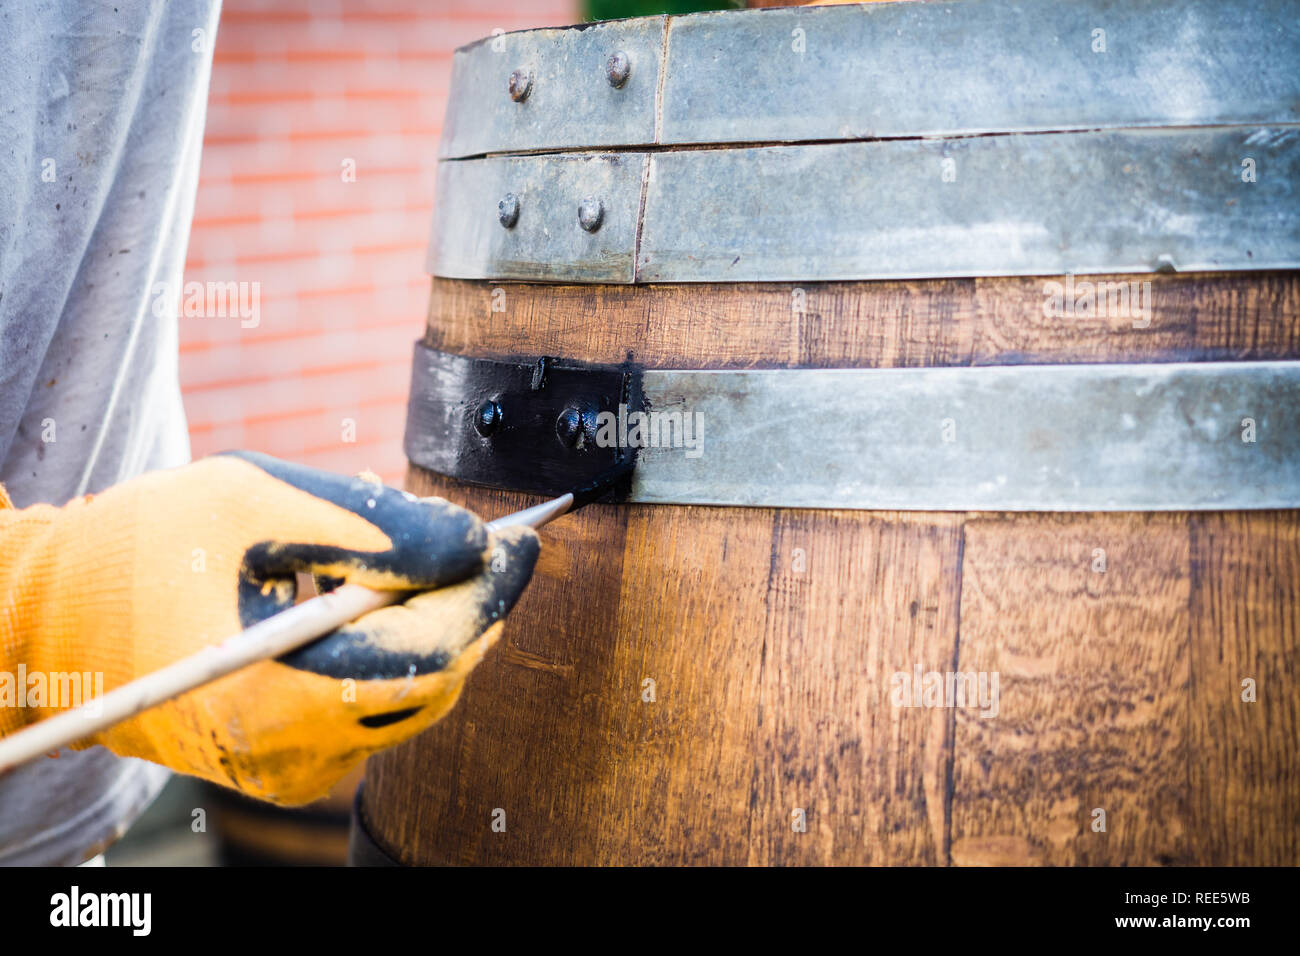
[298,86]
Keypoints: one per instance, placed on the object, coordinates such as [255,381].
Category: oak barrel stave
[1119,690]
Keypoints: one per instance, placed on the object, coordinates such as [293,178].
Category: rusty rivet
[508,210]
[576,427]
[520,85]
[590,213]
[617,68]
[487,417]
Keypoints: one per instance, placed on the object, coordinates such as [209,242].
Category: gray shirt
[102,104]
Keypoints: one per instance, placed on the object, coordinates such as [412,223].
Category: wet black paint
[542,440]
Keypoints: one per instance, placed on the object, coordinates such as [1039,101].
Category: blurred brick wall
[298,87]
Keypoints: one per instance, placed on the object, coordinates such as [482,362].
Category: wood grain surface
[1093,671]
[988,321]
[774,639]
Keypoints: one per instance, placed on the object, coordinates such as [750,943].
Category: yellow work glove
[122,583]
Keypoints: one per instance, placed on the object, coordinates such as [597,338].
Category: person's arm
[116,585]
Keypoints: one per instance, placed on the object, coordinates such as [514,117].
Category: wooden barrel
[871,663]
[250,832]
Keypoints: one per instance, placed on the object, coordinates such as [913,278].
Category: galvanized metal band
[879,70]
[1178,437]
[1042,204]
[544,238]
[568,100]
[963,67]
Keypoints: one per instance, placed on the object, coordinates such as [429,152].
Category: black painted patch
[548,408]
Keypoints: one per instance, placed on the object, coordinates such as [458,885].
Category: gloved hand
[127,581]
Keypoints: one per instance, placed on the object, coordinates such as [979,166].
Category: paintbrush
[277,635]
